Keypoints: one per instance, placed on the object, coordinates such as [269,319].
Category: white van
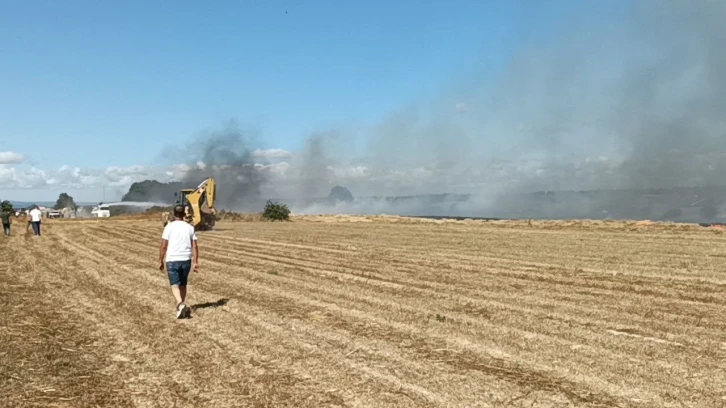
[101,211]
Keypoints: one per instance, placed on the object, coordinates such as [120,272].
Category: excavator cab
[182,200]
[199,204]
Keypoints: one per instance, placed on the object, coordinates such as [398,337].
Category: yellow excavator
[198,204]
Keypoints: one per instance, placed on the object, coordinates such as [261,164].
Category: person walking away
[35,218]
[5,217]
[178,249]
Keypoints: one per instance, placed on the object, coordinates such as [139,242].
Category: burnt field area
[367,312]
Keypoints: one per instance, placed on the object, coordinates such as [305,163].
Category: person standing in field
[178,249]
[5,216]
[35,216]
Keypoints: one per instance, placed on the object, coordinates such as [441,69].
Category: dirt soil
[367,312]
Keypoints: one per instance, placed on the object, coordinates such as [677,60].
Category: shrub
[6,206]
[276,211]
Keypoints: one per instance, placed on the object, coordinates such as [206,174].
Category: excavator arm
[201,200]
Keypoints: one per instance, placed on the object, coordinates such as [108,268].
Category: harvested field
[367,312]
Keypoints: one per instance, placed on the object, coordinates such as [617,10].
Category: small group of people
[35,217]
[179,255]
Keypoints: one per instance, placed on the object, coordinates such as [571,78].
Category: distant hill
[155,191]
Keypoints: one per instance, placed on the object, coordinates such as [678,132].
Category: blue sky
[124,79]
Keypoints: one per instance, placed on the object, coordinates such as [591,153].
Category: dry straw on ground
[367,311]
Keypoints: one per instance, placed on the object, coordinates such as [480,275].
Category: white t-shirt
[35,215]
[180,235]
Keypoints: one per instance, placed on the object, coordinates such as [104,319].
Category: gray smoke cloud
[627,100]
[671,110]
[646,89]
[227,155]
[613,98]
[314,167]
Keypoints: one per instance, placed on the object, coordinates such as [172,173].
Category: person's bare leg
[183,292]
[177,293]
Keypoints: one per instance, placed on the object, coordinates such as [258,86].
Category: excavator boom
[199,202]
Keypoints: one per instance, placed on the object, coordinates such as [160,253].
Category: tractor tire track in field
[276,345]
[617,349]
[369,314]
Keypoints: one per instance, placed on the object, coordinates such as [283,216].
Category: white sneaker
[180,310]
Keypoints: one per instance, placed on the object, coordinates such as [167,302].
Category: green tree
[64,200]
[6,206]
[276,211]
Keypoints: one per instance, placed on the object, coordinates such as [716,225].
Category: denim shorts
[178,272]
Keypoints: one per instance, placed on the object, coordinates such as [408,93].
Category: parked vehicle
[101,211]
[54,214]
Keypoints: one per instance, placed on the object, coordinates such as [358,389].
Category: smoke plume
[621,97]
[644,90]
[314,168]
[617,96]
[227,155]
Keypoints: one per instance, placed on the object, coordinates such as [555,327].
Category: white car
[54,214]
[101,211]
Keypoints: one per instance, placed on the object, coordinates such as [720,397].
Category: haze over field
[631,101]
[504,99]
